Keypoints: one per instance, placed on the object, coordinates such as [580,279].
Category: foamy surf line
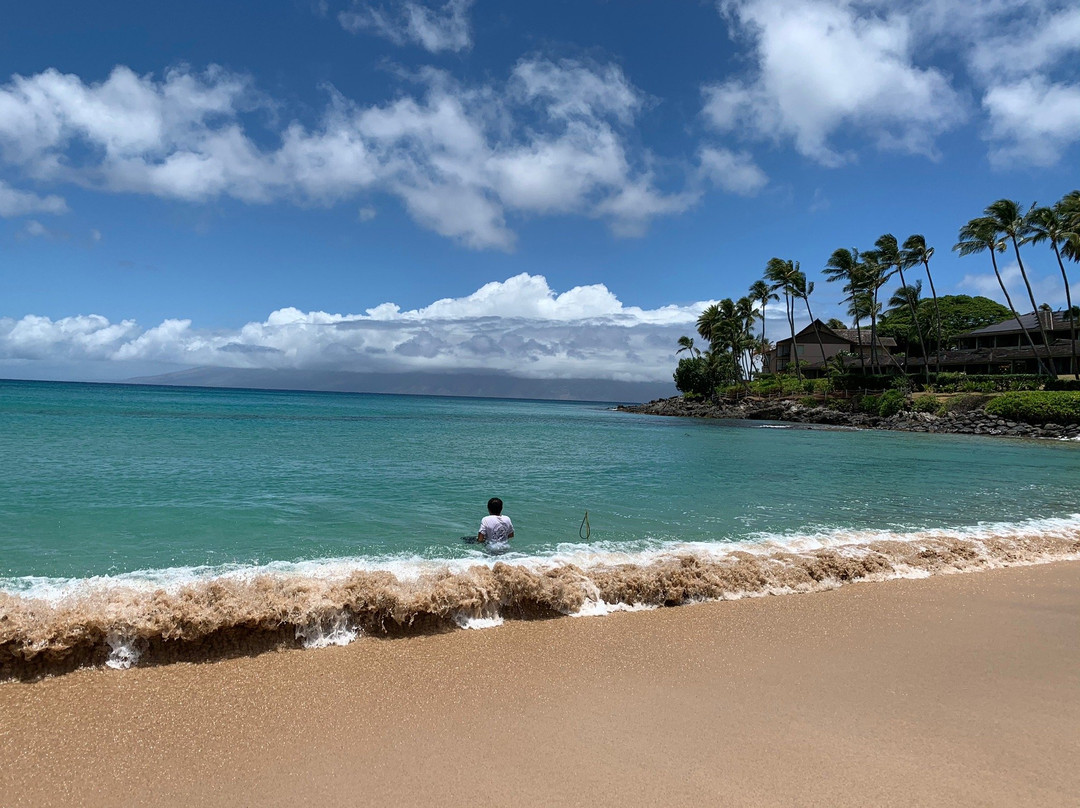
[52,626]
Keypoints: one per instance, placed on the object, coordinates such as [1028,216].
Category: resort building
[851,342]
[1002,347]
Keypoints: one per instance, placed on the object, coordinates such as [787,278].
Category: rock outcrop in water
[974,422]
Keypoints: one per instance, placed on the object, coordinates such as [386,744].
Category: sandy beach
[955,689]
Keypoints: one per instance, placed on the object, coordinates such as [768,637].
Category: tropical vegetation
[733,356]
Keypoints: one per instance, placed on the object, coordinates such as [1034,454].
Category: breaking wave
[52,625]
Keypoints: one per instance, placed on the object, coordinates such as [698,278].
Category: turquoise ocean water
[139,515]
[106,479]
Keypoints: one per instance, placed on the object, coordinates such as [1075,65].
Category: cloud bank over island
[519,327]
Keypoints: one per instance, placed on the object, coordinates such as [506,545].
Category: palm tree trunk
[763,342]
[817,333]
[1034,306]
[1016,316]
[918,331]
[937,317]
[793,354]
[1073,368]
[858,335]
[875,366]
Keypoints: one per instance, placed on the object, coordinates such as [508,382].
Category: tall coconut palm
[916,252]
[709,322]
[744,310]
[890,254]
[844,265]
[1012,222]
[762,294]
[1050,224]
[859,310]
[982,234]
[1069,205]
[781,275]
[906,296]
[687,344]
[803,289]
[875,275]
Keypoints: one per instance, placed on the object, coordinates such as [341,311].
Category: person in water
[496,530]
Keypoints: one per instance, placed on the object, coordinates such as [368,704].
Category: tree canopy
[959,314]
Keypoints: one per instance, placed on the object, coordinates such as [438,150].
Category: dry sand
[953,690]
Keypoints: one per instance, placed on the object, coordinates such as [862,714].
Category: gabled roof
[850,335]
[1009,326]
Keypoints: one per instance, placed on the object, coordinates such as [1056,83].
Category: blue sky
[550,188]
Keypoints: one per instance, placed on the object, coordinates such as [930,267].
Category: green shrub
[927,404]
[1052,407]
[809,401]
[891,402]
[860,381]
[1063,384]
[966,403]
[703,376]
[868,404]
[952,382]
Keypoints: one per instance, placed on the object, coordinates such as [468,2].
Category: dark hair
[495,506]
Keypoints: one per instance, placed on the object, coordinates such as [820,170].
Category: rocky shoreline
[972,422]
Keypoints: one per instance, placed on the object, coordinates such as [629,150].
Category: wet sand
[956,689]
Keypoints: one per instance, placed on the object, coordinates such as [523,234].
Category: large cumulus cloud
[520,326]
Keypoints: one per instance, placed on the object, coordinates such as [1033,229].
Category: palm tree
[916,252]
[836,325]
[803,289]
[876,275]
[1050,224]
[891,256]
[1070,212]
[861,303]
[1012,223]
[744,311]
[762,294]
[687,344]
[982,234]
[709,322]
[781,275]
[844,265]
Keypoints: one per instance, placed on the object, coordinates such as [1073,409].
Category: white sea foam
[335,630]
[585,556]
[463,620]
[191,614]
[599,608]
[124,650]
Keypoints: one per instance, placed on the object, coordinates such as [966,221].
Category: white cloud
[1047,288]
[1021,39]
[1032,121]
[442,28]
[35,229]
[461,159]
[733,171]
[14,202]
[828,68]
[520,326]
[570,89]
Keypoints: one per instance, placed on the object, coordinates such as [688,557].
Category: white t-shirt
[496,530]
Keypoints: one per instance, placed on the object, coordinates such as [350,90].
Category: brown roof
[852,336]
[848,334]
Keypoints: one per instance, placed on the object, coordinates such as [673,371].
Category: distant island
[478,385]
